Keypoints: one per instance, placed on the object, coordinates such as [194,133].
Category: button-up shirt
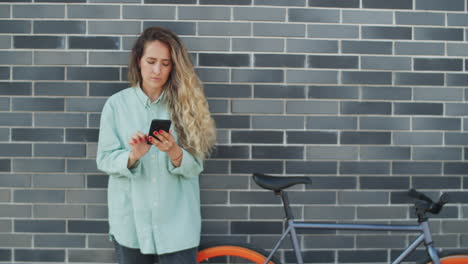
[153,205]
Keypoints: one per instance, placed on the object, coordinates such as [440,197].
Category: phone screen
[157,125]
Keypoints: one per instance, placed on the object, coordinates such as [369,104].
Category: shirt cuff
[130,172]
[189,166]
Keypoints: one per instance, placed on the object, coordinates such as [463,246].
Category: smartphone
[157,125]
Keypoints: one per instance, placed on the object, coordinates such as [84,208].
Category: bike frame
[423,228]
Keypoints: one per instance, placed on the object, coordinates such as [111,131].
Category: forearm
[176,157]
[132,159]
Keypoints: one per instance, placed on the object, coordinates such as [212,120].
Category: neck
[152,94]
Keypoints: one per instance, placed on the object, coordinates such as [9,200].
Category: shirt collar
[145,99]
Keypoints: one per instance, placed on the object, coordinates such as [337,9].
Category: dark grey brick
[94,120]
[98,212]
[311,15]
[406,78]
[59,150]
[113,58]
[312,45]
[335,3]
[82,166]
[420,18]
[340,62]
[312,76]
[419,48]
[4,73]
[277,122]
[92,73]
[359,197]
[214,197]
[204,13]
[218,212]
[456,109]
[15,150]
[436,153]
[331,213]
[448,34]
[375,212]
[418,108]
[378,32]
[420,123]
[311,167]
[380,138]
[455,5]
[4,104]
[257,227]
[15,26]
[42,226]
[59,27]
[367,17]
[336,182]
[97,181]
[444,182]
[384,183]
[84,104]
[38,11]
[279,2]
[423,64]
[311,137]
[332,31]
[5,42]
[36,134]
[41,255]
[5,165]
[456,79]
[357,77]
[366,108]
[180,28]
[269,76]
[366,47]
[261,107]
[218,106]
[438,94]
[15,119]
[259,45]
[16,57]
[313,197]
[38,104]
[251,166]
[386,63]
[39,73]
[276,152]
[386,93]
[85,42]
[60,88]
[224,29]
[224,182]
[417,138]
[333,92]
[213,74]
[80,255]
[232,121]
[60,120]
[451,168]
[385,153]
[279,91]
[311,107]
[257,137]
[258,14]
[402,167]
[38,42]
[231,152]
[279,60]
[148,12]
[39,165]
[170,2]
[86,197]
[15,180]
[86,226]
[15,88]
[59,241]
[457,20]
[454,138]
[227,90]
[81,135]
[278,30]
[384,123]
[362,167]
[382,4]
[93,11]
[332,153]
[114,27]
[226,60]
[58,181]
[224,2]
[10,210]
[4,134]
[39,196]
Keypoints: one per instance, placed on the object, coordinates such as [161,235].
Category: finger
[165,135]
[159,136]
[141,135]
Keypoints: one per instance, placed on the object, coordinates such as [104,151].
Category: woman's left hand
[166,143]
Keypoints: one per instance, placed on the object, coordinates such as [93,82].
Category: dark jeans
[125,255]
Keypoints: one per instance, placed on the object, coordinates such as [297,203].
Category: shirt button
[153,179]
[155,204]
[153,156]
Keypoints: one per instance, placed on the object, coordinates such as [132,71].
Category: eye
[166,64]
[150,61]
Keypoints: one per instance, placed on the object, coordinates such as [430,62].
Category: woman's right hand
[139,147]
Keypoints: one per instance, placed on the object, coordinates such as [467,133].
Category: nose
[157,68]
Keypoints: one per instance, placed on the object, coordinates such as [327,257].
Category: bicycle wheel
[227,253]
[453,258]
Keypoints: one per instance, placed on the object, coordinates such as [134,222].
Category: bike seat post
[287,208]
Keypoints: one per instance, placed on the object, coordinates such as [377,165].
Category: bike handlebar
[426,204]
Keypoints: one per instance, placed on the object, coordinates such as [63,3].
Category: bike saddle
[277,183]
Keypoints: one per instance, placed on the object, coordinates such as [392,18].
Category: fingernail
[150,139]
[135,141]
[141,139]
[160,131]
[155,133]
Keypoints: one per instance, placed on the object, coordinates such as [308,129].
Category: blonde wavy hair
[187,102]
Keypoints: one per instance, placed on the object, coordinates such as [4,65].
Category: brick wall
[367,97]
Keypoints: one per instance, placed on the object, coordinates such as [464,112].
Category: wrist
[176,154]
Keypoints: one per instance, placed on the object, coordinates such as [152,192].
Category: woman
[153,192]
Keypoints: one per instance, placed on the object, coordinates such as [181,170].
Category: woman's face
[155,65]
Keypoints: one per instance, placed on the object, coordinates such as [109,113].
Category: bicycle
[226,252]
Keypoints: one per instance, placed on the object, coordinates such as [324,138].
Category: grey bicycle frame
[423,228]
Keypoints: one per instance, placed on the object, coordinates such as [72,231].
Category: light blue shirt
[153,206]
